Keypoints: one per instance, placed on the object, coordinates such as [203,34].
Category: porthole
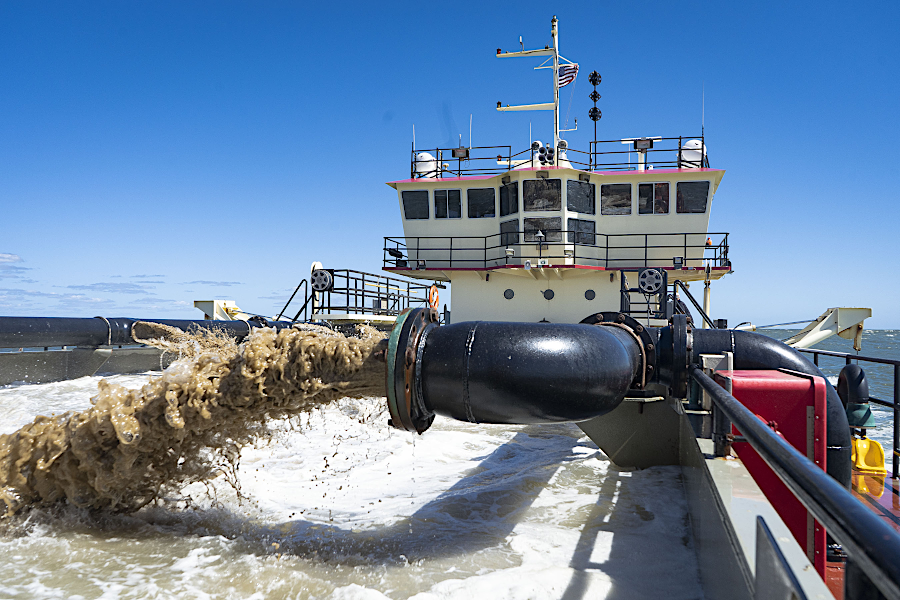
[508,294]
[590,295]
[548,294]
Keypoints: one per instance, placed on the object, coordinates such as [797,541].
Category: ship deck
[879,493]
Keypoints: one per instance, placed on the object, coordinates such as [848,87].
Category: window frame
[427,205]
[504,240]
[668,200]
[493,215]
[630,198]
[555,235]
[526,182]
[592,186]
[517,203]
[434,202]
[706,202]
[572,235]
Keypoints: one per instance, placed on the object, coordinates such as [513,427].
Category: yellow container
[868,456]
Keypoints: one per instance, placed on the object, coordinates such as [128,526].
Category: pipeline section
[756,351]
[526,373]
[499,372]
[36,332]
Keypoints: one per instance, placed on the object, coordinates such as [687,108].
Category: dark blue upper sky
[156,153]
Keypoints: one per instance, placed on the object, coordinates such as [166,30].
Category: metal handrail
[452,249]
[895,405]
[658,157]
[676,284]
[868,540]
[288,303]
[351,290]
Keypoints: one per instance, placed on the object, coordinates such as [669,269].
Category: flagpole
[555,34]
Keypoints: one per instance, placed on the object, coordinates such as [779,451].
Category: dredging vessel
[570,272]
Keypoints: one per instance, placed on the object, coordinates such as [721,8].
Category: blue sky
[156,153]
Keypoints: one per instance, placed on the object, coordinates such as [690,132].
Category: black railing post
[646,243]
[896,418]
[816,358]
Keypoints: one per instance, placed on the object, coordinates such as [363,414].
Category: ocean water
[880,343]
[338,505]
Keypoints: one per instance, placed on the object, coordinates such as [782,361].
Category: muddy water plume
[132,447]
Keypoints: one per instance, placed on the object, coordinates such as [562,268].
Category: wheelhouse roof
[716,174]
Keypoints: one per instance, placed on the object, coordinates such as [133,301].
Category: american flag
[567,74]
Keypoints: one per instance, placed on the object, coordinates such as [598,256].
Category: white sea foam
[340,506]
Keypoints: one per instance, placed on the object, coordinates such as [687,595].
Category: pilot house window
[615,199]
[581,231]
[509,199]
[481,203]
[542,194]
[509,232]
[653,198]
[415,205]
[691,196]
[447,204]
[580,196]
[551,227]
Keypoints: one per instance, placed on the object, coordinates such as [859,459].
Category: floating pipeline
[34,332]
[132,447]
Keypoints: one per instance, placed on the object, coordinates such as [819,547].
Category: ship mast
[555,33]
[553,53]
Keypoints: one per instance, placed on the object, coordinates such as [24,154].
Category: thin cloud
[217,283]
[281,297]
[9,266]
[146,276]
[78,300]
[113,288]
[28,299]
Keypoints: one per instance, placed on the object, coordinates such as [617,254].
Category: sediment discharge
[132,447]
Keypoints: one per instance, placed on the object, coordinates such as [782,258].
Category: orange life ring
[433,297]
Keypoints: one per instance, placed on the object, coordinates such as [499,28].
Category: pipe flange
[641,335]
[682,351]
[404,394]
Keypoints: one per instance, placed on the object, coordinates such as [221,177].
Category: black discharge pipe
[756,351]
[518,373]
[35,332]
[499,372]
[527,372]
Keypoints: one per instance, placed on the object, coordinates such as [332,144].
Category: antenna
[470,130]
[703,108]
[414,137]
